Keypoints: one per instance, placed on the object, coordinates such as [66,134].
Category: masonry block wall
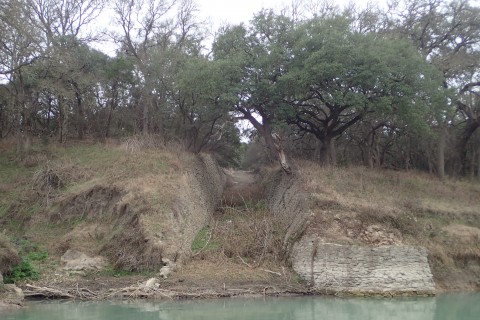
[357,270]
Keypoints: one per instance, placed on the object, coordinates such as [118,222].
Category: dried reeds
[8,255]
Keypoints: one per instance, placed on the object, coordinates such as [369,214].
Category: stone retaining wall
[287,200]
[203,186]
[357,270]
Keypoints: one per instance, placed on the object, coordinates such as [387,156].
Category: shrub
[251,233]
[23,271]
[9,257]
[20,269]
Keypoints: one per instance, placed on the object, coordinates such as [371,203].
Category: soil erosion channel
[238,252]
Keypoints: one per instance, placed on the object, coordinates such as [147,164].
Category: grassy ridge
[83,195]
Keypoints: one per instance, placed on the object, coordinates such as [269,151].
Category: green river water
[451,306]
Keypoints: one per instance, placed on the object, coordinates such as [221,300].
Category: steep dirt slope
[135,208]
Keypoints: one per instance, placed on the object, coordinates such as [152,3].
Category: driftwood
[44,292]
[144,291]
[253,267]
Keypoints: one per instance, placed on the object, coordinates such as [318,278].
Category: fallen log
[44,292]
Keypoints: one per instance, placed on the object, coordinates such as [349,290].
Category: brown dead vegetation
[135,202]
[241,188]
[141,142]
[242,243]
[104,220]
[248,233]
[53,175]
[8,255]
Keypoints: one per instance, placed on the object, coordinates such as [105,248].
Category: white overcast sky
[236,11]
[220,12]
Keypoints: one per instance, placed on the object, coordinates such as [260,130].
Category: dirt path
[242,187]
[240,178]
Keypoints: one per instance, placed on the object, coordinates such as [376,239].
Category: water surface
[451,306]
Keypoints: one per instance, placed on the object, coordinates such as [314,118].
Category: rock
[78,261]
[150,283]
[1,279]
[369,270]
[165,271]
[377,236]
[11,297]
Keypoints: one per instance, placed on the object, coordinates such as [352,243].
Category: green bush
[37,256]
[23,271]
[23,268]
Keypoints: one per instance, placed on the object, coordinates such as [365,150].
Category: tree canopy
[395,87]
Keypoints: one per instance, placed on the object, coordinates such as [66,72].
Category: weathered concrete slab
[357,270]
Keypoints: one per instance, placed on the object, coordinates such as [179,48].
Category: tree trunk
[266,133]
[273,144]
[333,153]
[281,154]
[367,155]
[325,153]
[24,142]
[441,152]
[109,118]
[470,128]
[19,141]
[81,116]
[378,156]
[62,120]
[145,118]
[269,144]
[472,164]
[478,163]
[318,147]
[2,124]
[64,127]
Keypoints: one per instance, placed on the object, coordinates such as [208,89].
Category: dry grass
[128,195]
[241,188]
[8,255]
[127,191]
[245,235]
[387,194]
[250,233]
[142,142]
[209,272]
[241,247]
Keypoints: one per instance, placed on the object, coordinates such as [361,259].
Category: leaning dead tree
[281,153]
